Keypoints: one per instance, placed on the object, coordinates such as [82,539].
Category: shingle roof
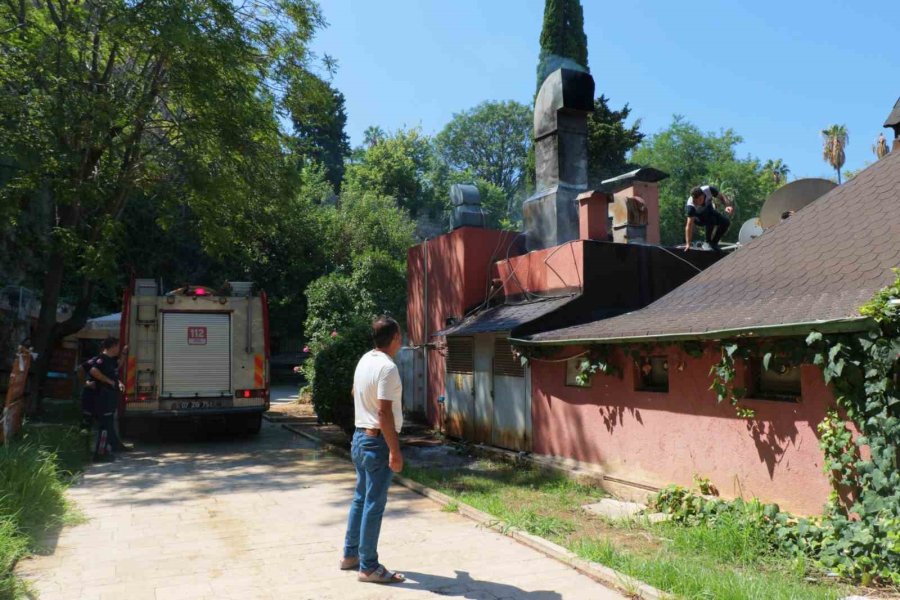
[820,265]
[505,317]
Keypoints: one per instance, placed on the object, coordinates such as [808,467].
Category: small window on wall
[573,370]
[652,374]
[781,381]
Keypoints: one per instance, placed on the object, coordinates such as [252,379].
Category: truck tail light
[249,393]
[142,397]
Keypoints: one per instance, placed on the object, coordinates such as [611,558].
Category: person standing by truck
[88,393]
[105,372]
[377,397]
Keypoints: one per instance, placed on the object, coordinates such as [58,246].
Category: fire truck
[195,353]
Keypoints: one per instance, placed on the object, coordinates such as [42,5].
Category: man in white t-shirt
[377,397]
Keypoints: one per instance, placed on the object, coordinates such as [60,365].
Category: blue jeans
[373,478]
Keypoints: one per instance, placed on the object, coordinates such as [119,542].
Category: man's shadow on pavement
[463,586]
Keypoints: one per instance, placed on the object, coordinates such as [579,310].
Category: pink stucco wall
[557,268]
[655,439]
[458,277]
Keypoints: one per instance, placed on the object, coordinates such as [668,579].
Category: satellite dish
[750,230]
[791,198]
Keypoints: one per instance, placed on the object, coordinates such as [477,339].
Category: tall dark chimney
[560,149]
[893,121]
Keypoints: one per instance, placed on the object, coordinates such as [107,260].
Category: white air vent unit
[241,288]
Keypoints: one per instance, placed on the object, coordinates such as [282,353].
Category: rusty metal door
[484,388]
[460,389]
[411,366]
[512,402]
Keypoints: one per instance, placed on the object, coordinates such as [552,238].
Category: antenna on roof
[792,197]
[750,230]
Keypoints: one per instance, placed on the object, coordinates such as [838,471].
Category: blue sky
[776,72]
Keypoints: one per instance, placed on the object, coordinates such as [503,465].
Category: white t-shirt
[710,192]
[376,378]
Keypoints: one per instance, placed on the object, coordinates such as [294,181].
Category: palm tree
[881,148]
[373,135]
[836,139]
[777,169]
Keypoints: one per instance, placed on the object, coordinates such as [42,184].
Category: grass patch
[731,560]
[35,469]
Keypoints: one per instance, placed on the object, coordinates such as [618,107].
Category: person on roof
[700,209]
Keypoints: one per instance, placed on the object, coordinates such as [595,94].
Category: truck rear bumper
[193,413]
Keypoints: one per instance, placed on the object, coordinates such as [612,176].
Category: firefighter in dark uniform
[105,372]
[88,393]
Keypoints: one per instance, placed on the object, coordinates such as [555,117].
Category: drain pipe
[425,318]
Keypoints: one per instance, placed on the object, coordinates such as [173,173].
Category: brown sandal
[381,575]
[349,563]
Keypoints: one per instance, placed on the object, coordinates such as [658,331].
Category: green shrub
[333,364]
[341,309]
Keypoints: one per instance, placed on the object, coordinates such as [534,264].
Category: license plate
[196,404]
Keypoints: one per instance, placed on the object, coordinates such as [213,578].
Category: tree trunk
[49,332]
[43,336]
[839,175]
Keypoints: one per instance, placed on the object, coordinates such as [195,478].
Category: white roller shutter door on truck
[196,355]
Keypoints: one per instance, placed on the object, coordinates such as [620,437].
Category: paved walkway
[264,518]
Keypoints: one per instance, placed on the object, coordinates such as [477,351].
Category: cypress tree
[563,41]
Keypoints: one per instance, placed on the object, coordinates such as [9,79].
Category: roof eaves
[780,330]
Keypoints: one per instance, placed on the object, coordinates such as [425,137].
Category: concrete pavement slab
[264,517]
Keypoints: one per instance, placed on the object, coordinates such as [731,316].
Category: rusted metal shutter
[505,363]
[460,354]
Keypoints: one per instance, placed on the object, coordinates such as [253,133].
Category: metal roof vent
[466,201]
[241,288]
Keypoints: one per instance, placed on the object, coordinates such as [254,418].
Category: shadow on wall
[671,436]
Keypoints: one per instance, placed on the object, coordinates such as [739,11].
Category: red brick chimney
[593,214]
[649,193]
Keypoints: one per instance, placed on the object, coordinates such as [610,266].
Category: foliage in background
[370,236]
[610,141]
[491,142]
[692,157]
[319,118]
[835,139]
[108,102]
[881,148]
[395,166]
[563,41]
